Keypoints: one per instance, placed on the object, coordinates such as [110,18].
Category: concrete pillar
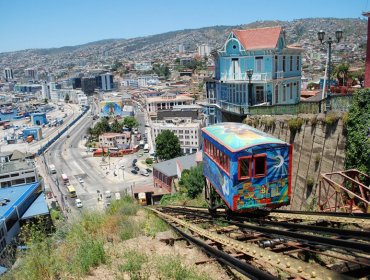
[367,61]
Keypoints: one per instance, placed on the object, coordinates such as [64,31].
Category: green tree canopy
[341,72]
[167,145]
[192,180]
[358,132]
[66,98]
[130,122]
[116,126]
[101,127]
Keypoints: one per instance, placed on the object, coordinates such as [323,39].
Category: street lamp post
[249,74]
[329,42]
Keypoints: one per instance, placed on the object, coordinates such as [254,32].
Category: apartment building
[115,140]
[166,102]
[13,173]
[186,129]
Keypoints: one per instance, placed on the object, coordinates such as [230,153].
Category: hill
[301,31]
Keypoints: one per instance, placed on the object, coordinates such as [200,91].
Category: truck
[52,169]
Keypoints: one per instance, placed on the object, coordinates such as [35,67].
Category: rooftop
[259,38]
[169,167]
[15,195]
[169,97]
[13,166]
[238,136]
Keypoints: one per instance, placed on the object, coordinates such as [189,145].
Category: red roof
[259,38]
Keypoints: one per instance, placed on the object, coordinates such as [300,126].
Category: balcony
[256,77]
[233,108]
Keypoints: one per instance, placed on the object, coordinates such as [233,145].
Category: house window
[297,89]
[276,94]
[291,91]
[219,157]
[276,63]
[284,63]
[297,65]
[259,166]
[259,94]
[244,168]
[284,93]
[291,63]
[234,68]
[258,68]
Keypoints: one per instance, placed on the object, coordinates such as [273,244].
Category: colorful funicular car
[247,168]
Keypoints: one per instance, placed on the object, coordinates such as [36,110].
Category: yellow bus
[71,191]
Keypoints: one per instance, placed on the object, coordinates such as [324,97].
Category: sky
[28,24]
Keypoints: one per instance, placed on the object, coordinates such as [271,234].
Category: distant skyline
[28,24]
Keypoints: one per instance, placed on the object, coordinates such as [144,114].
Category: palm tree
[341,73]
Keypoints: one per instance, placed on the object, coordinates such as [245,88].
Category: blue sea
[7,117]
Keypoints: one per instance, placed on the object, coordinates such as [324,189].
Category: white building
[8,74]
[185,129]
[17,172]
[144,81]
[181,48]
[166,102]
[143,66]
[115,140]
[203,50]
[45,90]
[82,99]
[106,81]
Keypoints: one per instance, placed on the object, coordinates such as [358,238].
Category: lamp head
[339,35]
[321,35]
[250,73]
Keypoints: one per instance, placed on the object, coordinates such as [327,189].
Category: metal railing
[225,76]
[233,108]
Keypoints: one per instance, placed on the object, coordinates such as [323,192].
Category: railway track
[268,245]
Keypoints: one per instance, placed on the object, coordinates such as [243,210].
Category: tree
[101,127]
[341,73]
[66,98]
[358,132]
[168,145]
[116,126]
[130,122]
[46,101]
[192,180]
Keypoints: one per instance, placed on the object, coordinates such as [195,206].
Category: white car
[108,194]
[80,180]
[78,203]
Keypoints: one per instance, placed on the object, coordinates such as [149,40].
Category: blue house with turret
[255,67]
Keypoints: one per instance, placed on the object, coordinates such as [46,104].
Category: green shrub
[130,229]
[90,253]
[126,206]
[172,268]
[310,182]
[295,125]
[345,118]
[153,225]
[331,118]
[149,161]
[133,265]
[317,158]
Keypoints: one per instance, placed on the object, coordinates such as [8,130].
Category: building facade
[88,85]
[8,74]
[186,129]
[115,140]
[166,102]
[274,73]
[15,173]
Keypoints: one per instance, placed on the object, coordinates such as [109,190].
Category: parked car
[136,168]
[78,203]
[144,173]
[133,171]
[108,194]
[80,180]
[149,170]
[134,161]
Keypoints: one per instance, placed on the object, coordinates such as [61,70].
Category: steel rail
[364,235]
[304,238]
[293,266]
[243,267]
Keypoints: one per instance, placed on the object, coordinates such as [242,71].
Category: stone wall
[317,148]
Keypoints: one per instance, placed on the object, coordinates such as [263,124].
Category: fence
[50,142]
[337,103]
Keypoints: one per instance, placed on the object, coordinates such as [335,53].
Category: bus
[52,169]
[65,179]
[71,191]
[146,148]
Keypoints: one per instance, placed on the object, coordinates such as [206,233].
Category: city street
[70,156]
